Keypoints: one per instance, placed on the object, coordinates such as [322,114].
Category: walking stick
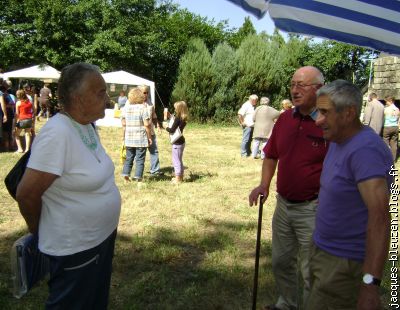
[258,243]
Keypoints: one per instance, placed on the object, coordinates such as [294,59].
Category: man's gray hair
[343,94]
[71,79]
[253,97]
[264,100]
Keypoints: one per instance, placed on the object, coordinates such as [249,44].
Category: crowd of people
[19,111]
[331,223]
[139,122]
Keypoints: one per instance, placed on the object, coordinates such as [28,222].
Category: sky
[226,10]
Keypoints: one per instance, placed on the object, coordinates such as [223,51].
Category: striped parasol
[373,24]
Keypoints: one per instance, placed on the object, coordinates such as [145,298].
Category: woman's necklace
[91,142]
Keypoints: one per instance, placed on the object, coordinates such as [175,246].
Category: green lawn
[187,246]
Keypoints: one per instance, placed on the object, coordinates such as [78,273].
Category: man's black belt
[301,201]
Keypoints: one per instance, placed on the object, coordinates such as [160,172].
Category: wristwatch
[370,279]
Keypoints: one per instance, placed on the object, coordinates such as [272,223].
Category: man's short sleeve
[368,163]
[243,109]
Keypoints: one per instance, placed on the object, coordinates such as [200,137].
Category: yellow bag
[117,113]
[123,153]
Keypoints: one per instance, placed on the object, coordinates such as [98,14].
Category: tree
[145,37]
[235,38]
[224,67]
[258,61]
[195,80]
[290,56]
[340,61]
[171,33]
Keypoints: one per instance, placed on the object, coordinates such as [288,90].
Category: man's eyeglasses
[301,85]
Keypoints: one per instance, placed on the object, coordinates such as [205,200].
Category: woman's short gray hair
[71,79]
[343,94]
[264,100]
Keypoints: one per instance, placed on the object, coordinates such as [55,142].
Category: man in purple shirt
[352,226]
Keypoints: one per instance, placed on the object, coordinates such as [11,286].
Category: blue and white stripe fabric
[256,7]
[373,24]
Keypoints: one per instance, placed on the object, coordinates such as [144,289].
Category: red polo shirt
[297,143]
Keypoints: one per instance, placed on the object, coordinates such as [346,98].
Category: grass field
[187,246]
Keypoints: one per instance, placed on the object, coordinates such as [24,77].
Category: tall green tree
[145,37]
[257,62]
[224,67]
[235,38]
[290,56]
[195,80]
[171,32]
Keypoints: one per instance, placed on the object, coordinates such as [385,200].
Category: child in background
[181,116]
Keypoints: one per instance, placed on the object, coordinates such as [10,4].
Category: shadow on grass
[167,173]
[193,177]
[168,269]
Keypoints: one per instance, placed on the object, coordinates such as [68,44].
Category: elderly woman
[264,118]
[68,194]
[136,133]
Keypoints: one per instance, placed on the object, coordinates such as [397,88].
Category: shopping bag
[28,264]
[123,153]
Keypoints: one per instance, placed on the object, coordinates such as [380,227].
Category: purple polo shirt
[341,220]
[297,143]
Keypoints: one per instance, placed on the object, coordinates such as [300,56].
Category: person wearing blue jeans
[154,157]
[136,132]
[245,115]
[137,154]
[153,148]
[245,147]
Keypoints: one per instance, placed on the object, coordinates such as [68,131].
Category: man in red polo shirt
[297,147]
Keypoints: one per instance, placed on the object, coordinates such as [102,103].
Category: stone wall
[386,78]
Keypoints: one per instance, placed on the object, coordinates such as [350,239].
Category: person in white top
[68,194]
[245,115]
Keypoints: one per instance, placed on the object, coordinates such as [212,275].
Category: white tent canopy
[126,78]
[41,72]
